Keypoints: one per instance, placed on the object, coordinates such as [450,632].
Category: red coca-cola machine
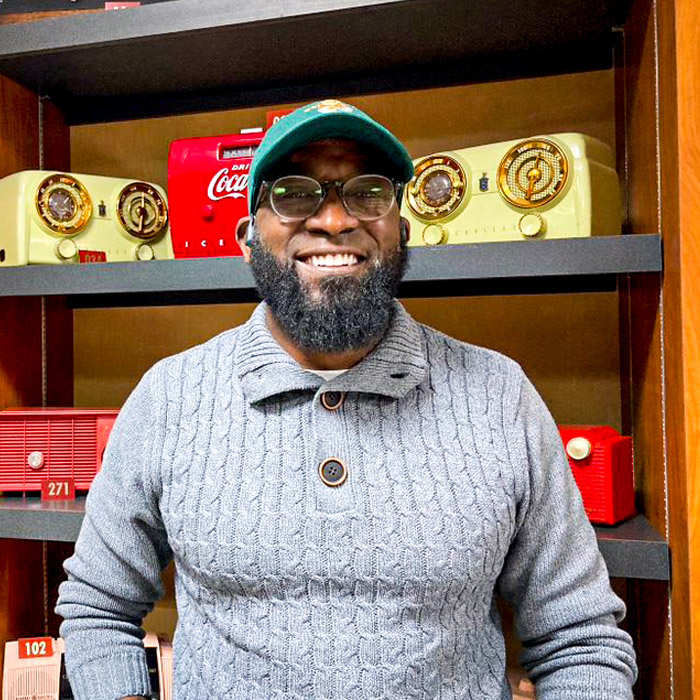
[208,192]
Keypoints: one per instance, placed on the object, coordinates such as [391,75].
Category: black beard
[351,312]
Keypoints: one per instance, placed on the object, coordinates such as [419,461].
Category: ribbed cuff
[584,683]
[111,678]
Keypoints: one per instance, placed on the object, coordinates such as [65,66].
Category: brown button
[332,400]
[332,472]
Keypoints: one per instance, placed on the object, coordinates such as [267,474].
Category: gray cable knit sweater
[383,587]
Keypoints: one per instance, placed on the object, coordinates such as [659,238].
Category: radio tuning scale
[532,173]
[142,211]
[63,204]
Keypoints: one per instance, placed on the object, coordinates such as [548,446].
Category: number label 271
[58,490]
[35,647]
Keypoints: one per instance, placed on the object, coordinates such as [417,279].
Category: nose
[332,218]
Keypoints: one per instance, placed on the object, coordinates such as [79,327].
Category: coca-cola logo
[227,184]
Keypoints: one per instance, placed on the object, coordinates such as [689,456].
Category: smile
[332,262]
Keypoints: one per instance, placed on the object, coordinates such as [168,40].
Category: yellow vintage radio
[558,186]
[66,218]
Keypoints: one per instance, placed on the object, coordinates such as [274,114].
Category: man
[343,490]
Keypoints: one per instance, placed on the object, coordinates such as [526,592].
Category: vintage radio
[67,218]
[34,669]
[208,190]
[601,462]
[55,445]
[559,186]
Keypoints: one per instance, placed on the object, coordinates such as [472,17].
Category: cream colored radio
[66,218]
[558,186]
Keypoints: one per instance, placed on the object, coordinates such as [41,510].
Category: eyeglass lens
[366,197]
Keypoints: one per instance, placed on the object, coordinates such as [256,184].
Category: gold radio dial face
[533,173]
[437,188]
[142,211]
[63,204]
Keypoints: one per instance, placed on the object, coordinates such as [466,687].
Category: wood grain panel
[683,294]
[22,576]
[641,332]
[19,128]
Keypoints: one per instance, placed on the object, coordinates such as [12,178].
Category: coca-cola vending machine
[208,192]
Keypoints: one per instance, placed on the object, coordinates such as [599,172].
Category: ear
[405,229]
[242,237]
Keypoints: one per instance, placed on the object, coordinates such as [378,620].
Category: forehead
[333,159]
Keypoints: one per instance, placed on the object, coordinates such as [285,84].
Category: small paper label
[92,256]
[35,647]
[58,490]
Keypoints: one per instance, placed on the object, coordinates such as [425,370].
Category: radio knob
[435,234]
[532,224]
[578,448]
[35,460]
[144,252]
[208,212]
[66,249]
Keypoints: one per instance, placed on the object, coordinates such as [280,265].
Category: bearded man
[343,490]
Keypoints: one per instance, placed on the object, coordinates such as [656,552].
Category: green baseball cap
[328,119]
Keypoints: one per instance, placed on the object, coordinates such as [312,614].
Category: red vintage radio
[40,446]
[601,461]
[208,192]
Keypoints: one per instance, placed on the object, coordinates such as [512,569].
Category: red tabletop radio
[601,461]
[208,192]
[52,445]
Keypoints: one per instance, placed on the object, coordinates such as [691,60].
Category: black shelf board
[632,549]
[182,56]
[30,518]
[520,267]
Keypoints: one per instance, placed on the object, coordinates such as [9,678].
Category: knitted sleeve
[114,574]
[554,576]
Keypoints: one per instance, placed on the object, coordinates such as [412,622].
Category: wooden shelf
[631,550]
[522,267]
[183,56]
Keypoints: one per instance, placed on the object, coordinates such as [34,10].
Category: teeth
[337,260]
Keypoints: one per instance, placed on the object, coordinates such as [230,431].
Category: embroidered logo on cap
[330,106]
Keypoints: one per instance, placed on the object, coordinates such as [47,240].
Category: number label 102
[35,647]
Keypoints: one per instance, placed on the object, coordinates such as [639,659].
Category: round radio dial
[533,173]
[63,204]
[437,189]
[142,211]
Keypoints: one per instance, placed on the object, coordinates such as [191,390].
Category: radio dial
[579,448]
[63,204]
[533,173]
[437,188]
[142,211]
[532,224]
[435,234]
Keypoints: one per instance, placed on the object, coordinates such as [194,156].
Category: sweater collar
[396,366]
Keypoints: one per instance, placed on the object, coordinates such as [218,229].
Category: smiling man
[343,490]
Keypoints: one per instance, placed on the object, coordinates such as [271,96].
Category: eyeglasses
[297,197]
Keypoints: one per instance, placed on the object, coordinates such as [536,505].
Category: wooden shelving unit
[182,57]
